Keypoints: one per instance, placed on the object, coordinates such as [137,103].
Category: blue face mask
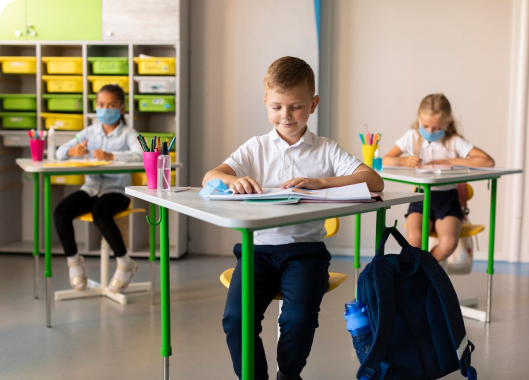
[431,137]
[215,187]
[108,116]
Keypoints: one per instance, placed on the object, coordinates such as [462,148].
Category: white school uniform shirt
[121,142]
[456,147]
[271,162]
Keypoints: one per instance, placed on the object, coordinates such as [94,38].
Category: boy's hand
[78,150]
[413,161]
[246,185]
[104,156]
[305,183]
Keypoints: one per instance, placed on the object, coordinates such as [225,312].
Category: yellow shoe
[79,282]
[117,285]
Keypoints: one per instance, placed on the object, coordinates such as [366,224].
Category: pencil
[172,143]
[141,144]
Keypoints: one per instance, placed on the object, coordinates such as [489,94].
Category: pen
[410,152]
[172,143]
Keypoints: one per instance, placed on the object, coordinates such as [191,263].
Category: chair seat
[88,216]
[467,230]
[335,280]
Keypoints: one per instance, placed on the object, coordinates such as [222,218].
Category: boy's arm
[361,174]
[227,175]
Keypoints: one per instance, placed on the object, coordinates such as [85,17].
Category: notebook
[440,169]
[352,193]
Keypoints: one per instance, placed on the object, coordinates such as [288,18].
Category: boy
[292,260]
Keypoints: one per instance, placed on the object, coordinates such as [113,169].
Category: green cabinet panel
[13,21]
[63,20]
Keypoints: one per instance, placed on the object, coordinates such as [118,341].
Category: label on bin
[59,123]
[157,101]
[16,119]
[16,64]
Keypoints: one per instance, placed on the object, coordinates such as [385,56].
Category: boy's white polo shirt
[271,162]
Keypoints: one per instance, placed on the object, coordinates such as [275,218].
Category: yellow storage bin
[98,82]
[74,179]
[140,179]
[68,84]
[19,65]
[63,65]
[156,65]
[63,121]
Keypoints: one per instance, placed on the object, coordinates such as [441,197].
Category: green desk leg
[380,226]
[247,305]
[490,266]
[47,245]
[36,187]
[166,349]
[152,249]
[356,264]
[426,217]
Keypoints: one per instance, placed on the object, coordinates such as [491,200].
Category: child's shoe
[282,376]
[77,271]
[121,279]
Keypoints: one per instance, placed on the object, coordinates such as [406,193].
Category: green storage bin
[109,65]
[156,103]
[19,102]
[19,120]
[67,103]
[93,97]
[149,135]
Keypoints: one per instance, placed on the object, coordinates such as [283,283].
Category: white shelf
[21,202]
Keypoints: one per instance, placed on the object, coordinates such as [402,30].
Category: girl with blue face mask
[434,140]
[103,195]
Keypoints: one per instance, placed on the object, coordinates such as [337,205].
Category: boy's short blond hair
[287,73]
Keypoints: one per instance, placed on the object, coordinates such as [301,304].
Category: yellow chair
[100,289]
[335,279]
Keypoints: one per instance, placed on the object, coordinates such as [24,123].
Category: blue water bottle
[357,321]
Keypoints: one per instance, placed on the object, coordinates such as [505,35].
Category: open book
[358,193]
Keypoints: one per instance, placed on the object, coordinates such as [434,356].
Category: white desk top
[234,214]
[30,166]
[411,175]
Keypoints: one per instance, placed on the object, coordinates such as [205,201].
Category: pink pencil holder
[37,149]
[150,162]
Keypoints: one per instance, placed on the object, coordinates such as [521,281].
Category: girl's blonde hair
[436,105]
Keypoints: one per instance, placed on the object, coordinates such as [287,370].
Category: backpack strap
[396,234]
[452,312]
[375,366]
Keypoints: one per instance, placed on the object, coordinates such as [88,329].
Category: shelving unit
[14,143]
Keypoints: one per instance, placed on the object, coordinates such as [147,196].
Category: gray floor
[98,339]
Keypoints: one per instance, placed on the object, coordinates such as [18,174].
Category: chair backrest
[332,226]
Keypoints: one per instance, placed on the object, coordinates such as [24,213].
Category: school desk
[245,218]
[39,168]
[426,181]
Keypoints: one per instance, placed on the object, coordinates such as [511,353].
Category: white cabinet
[140,20]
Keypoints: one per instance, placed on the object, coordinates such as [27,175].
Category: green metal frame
[47,222]
[166,349]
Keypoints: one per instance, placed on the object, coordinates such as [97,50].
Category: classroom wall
[232,44]
[379,59]
[386,56]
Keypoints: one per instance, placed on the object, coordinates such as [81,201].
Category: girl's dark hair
[119,93]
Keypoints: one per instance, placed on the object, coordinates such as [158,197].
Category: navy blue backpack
[416,322]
